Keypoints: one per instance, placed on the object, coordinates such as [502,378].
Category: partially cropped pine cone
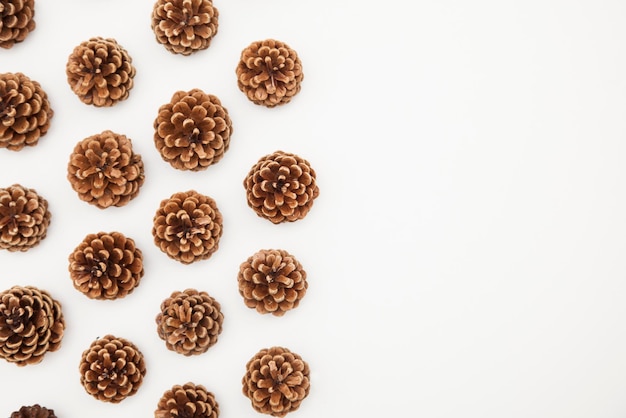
[187,401]
[112,369]
[24,218]
[276,381]
[269,73]
[31,324]
[100,72]
[281,187]
[188,226]
[106,266]
[104,170]
[193,130]
[272,281]
[34,411]
[16,21]
[25,111]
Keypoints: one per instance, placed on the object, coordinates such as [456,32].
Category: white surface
[465,255]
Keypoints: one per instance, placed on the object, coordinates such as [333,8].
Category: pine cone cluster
[106,266]
[276,381]
[193,130]
[31,324]
[16,21]
[187,226]
[187,401]
[25,111]
[281,187]
[104,170]
[269,72]
[112,369]
[24,218]
[34,411]
[100,72]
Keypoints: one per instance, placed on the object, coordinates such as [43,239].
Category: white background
[465,256]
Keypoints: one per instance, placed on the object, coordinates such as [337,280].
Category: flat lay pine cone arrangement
[33,411]
[24,218]
[16,21]
[31,325]
[25,111]
[187,401]
[193,130]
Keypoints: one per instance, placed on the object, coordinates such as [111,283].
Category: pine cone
[104,170]
[187,401]
[34,411]
[276,381]
[31,324]
[272,281]
[188,226]
[106,266]
[16,21]
[269,73]
[192,131]
[112,369]
[281,187]
[100,72]
[24,218]
[25,111]
[190,322]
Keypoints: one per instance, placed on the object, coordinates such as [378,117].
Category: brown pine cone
[106,266]
[272,281]
[276,381]
[16,21]
[112,369]
[190,322]
[281,187]
[24,218]
[25,111]
[184,26]
[31,324]
[187,401]
[34,411]
[100,72]
[192,131]
[104,170]
[269,73]
[188,226]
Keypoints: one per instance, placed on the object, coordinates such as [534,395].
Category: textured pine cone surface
[25,111]
[187,226]
[281,187]
[193,130]
[100,72]
[269,72]
[104,170]
[31,324]
[24,218]
[187,401]
[276,381]
[34,411]
[16,21]
[112,369]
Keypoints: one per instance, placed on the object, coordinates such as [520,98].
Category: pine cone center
[278,375]
[7,110]
[11,219]
[186,227]
[15,319]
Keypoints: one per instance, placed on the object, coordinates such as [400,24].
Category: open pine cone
[25,111]
[100,72]
[16,21]
[24,218]
[112,369]
[184,26]
[281,187]
[187,401]
[104,170]
[188,226]
[269,73]
[276,381]
[34,411]
[31,324]
[193,130]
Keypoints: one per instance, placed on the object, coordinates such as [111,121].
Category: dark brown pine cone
[272,281]
[25,111]
[269,73]
[190,322]
[104,170]
[16,21]
[112,369]
[184,26]
[187,401]
[106,266]
[100,72]
[31,324]
[281,187]
[192,131]
[276,381]
[34,411]
[24,218]
[188,226]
